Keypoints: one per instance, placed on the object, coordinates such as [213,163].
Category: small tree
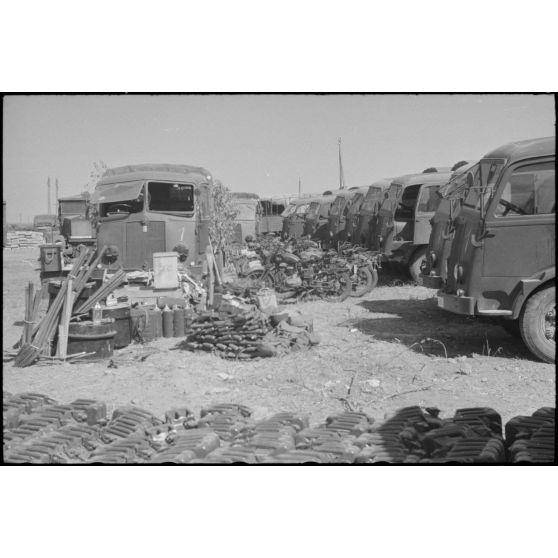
[222,217]
[99,168]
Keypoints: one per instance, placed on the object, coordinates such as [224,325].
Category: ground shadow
[420,323]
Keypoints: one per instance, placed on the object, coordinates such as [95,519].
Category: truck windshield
[458,186]
[371,199]
[337,205]
[246,211]
[428,199]
[169,197]
[481,187]
[289,210]
[313,210]
[302,209]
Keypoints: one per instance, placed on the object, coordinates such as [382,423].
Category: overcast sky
[258,144]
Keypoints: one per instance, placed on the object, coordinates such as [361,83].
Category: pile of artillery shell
[39,430]
[229,336]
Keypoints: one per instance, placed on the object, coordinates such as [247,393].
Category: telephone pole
[299,187]
[341,175]
[56,193]
[48,200]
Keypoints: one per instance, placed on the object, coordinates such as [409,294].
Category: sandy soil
[377,354]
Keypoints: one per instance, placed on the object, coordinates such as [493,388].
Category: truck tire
[537,323]
[415,264]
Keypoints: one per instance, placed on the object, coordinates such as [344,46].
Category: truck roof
[422,178]
[517,150]
[158,171]
[245,195]
[78,197]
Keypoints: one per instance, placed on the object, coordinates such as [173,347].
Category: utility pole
[341,175]
[299,187]
[56,193]
[48,201]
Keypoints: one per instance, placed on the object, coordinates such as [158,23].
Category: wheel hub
[550,324]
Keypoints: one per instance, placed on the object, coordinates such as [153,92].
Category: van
[404,218]
[502,258]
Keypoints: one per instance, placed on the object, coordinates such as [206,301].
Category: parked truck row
[481,232]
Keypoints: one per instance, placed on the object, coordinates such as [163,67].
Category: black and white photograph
[279,279]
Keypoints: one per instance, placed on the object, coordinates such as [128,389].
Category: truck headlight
[433,258]
[458,272]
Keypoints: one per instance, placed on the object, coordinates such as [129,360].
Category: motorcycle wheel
[366,280]
[344,289]
[261,277]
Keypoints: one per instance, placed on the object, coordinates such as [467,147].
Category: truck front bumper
[432,281]
[456,304]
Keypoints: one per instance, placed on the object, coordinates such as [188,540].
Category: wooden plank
[210,268]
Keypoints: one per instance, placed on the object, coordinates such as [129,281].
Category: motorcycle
[311,272]
[364,268]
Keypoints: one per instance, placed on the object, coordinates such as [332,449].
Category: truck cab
[339,212]
[316,222]
[75,223]
[502,258]
[294,217]
[367,215]
[353,212]
[248,214]
[404,218]
[270,221]
[434,269]
[147,208]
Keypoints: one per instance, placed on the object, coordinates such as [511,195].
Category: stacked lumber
[38,341]
[24,239]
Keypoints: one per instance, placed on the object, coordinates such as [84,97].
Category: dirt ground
[389,349]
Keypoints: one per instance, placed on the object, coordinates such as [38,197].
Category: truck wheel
[415,264]
[537,323]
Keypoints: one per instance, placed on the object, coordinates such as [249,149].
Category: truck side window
[530,190]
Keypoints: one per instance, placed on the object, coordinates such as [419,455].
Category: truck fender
[527,287]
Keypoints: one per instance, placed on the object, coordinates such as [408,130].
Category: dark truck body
[364,234]
[142,209]
[404,218]
[339,212]
[434,270]
[316,222]
[502,258]
[294,217]
[75,224]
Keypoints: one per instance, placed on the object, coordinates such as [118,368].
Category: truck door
[427,204]
[520,223]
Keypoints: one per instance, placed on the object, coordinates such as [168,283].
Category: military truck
[368,212]
[248,214]
[75,222]
[147,208]
[316,222]
[294,217]
[434,268]
[404,218]
[339,212]
[48,225]
[270,221]
[502,258]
